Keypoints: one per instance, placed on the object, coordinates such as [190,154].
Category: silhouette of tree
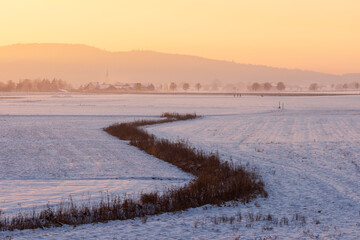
[151,87]
[280,86]
[313,87]
[255,86]
[267,86]
[198,86]
[186,86]
[25,85]
[11,86]
[173,86]
[2,87]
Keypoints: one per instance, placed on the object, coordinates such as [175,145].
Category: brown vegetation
[216,183]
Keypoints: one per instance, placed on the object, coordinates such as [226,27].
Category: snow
[307,154]
[48,158]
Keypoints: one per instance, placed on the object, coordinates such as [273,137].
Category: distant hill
[79,64]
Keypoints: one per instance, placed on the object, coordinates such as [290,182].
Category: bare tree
[186,86]
[267,86]
[151,87]
[198,86]
[255,86]
[313,87]
[280,86]
[173,86]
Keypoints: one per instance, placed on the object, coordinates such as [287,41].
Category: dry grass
[216,183]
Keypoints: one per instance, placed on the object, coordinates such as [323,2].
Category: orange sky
[321,35]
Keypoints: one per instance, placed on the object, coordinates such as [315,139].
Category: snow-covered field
[52,146]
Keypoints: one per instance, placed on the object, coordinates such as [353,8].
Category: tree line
[37,85]
[280,86]
[56,85]
[338,87]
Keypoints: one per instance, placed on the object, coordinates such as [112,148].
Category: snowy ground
[308,155]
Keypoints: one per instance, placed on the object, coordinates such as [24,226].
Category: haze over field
[80,64]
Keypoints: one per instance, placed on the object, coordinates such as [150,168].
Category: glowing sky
[321,35]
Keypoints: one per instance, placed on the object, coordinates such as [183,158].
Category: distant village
[96,86]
